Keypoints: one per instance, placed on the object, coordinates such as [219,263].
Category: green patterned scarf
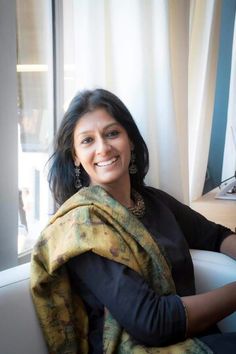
[91,220]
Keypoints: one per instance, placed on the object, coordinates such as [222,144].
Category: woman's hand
[228,246]
[204,310]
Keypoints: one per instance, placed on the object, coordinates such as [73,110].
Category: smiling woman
[120,248]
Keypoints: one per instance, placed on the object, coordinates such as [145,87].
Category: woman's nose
[103,146]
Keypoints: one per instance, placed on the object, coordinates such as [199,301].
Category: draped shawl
[91,220]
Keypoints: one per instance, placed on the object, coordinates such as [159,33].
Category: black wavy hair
[61,176]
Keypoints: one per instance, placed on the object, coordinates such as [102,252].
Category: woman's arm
[206,309]
[228,246]
[199,232]
[151,319]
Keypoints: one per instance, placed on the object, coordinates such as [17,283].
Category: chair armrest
[20,331]
[212,270]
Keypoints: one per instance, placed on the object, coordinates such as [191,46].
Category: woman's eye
[112,134]
[86,140]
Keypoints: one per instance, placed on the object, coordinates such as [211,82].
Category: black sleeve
[200,233]
[151,319]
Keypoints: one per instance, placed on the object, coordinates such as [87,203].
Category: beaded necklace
[139,206]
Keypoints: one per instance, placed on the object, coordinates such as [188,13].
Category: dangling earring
[78,183]
[133,167]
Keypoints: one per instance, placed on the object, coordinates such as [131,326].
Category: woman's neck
[121,192]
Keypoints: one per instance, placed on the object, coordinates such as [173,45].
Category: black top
[151,319]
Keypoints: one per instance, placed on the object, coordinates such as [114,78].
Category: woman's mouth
[107,162]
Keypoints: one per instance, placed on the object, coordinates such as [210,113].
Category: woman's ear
[131,145]
[75,158]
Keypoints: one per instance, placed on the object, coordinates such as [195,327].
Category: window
[35,117]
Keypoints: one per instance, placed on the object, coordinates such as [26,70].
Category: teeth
[106,163]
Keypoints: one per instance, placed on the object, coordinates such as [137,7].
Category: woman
[112,271]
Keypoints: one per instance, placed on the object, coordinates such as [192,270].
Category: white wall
[8,136]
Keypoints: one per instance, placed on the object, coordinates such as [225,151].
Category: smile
[107,163]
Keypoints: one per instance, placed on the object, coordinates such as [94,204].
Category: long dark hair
[61,175]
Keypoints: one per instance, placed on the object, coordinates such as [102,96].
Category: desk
[218,210]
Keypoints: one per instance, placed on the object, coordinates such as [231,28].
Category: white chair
[20,332]
[213,270]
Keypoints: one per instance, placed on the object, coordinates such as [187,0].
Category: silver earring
[78,183]
[133,167]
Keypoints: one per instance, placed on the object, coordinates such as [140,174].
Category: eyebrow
[85,132]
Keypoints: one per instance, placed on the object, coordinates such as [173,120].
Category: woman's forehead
[97,119]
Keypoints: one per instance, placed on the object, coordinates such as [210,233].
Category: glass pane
[70,83]
[35,116]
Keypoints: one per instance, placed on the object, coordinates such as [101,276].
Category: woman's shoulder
[159,197]
[153,192]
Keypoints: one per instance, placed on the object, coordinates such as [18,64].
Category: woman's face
[103,148]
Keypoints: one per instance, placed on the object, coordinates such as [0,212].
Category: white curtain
[141,50]
[203,54]
[229,162]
